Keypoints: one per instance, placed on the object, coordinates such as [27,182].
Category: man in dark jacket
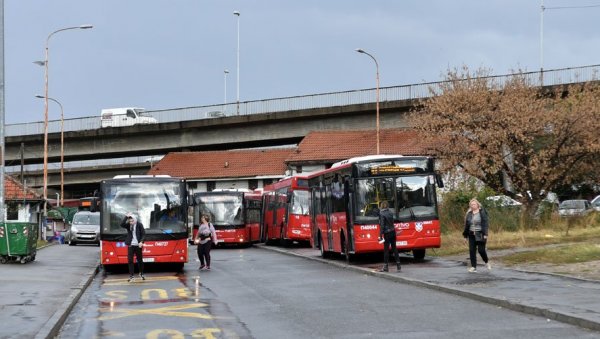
[134,242]
[387,232]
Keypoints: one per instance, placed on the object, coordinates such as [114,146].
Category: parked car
[85,228]
[572,208]
[502,201]
[596,203]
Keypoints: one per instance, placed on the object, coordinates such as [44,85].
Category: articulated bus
[233,213]
[159,203]
[346,198]
[286,215]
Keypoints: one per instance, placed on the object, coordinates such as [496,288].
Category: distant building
[239,169]
[320,149]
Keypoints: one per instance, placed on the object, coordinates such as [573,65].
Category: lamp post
[377,92]
[45,63]
[237,13]
[225,72]
[62,147]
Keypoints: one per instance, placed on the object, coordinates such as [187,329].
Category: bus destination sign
[391,169]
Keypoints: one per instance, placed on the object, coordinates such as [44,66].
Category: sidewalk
[569,300]
[35,298]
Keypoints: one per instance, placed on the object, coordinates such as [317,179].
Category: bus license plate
[148,259]
[402,243]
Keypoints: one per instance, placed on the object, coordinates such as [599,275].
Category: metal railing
[323,100]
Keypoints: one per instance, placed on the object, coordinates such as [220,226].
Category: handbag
[479,236]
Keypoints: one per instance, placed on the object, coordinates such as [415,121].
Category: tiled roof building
[327,147]
[223,164]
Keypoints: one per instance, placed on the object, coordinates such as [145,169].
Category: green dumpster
[18,242]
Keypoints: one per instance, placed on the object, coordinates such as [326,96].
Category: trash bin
[18,242]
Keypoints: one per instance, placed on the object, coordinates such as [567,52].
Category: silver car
[85,228]
[574,208]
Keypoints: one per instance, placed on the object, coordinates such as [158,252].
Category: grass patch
[567,254]
[453,243]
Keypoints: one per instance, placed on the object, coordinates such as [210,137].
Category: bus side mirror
[439,181]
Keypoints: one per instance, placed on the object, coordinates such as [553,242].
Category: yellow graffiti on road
[172,311]
[160,293]
[174,334]
[124,281]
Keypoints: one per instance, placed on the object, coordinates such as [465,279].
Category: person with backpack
[205,237]
[387,233]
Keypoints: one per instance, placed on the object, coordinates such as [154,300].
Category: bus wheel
[178,267]
[324,254]
[419,254]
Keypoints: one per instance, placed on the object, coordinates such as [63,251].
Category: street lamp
[225,72]
[377,92]
[45,64]
[237,13]
[62,149]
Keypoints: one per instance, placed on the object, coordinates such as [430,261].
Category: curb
[527,309]
[52,327]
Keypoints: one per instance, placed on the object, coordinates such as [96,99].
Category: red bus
[345,200]
[159,203]
[286,215]
[235,214]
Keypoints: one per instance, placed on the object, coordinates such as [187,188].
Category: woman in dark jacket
[476,231]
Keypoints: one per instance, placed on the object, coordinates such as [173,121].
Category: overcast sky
[161,54]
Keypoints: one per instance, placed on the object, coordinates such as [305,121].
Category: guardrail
[394,93]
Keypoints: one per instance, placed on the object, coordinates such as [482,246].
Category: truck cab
[126,116]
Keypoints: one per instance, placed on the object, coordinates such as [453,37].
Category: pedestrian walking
[135,242]
[476,233]
[205,237]
[387,233]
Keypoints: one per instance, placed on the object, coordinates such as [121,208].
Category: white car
[596,203]
[503,201]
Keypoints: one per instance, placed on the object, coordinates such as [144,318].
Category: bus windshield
[223,209]
[409,198]
[160,207]
[300,202]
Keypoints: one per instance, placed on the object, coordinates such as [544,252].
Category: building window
[267,182]
[252,184]
[12,210]
[192,184]
[298,169]
[210,186]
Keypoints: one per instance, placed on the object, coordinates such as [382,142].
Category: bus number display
[391,169]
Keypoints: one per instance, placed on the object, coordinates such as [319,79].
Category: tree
[518,139]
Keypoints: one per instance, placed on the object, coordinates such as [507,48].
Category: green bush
[455,204]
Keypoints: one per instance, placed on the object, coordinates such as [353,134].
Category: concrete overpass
[271,122]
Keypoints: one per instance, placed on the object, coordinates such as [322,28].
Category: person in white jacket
[205,237]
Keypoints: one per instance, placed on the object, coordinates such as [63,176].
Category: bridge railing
[322,100]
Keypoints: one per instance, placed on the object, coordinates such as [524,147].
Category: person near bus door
[476,232]
[135,242]
[387,232]
[204,239]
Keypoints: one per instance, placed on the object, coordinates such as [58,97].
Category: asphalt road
[257,293]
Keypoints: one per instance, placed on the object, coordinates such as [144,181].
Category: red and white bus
[286,215]
[345,200]
[159,203]
[235,214]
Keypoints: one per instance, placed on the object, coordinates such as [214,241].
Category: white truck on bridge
[127,116]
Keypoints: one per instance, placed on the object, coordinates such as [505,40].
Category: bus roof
[366,158]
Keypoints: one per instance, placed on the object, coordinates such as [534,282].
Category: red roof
[332,146]
[223,164]
[13,190]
